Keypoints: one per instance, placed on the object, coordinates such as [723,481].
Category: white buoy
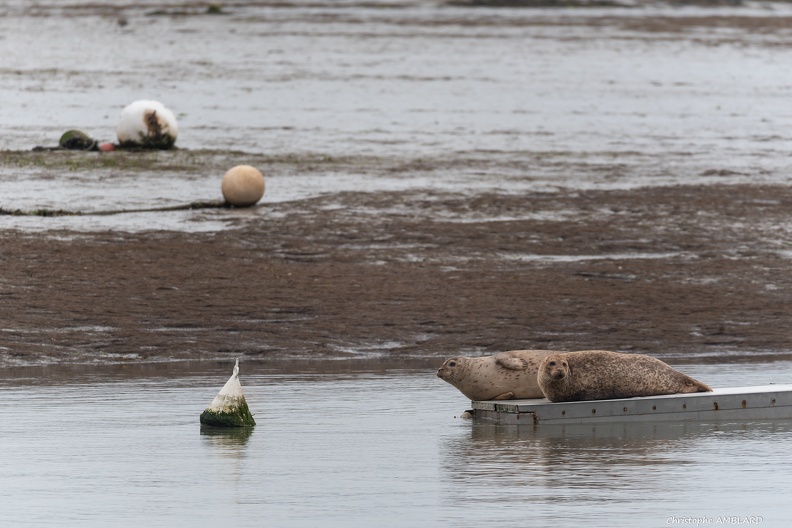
[229,408]
[147,124]
[242,186]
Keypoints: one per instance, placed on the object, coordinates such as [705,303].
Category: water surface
[366,447]
[465,100]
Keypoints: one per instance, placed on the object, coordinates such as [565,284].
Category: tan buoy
[242,186]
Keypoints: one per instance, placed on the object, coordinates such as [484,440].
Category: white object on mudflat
[147,124]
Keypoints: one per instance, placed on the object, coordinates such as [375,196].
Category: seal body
[503,376]
[601,375]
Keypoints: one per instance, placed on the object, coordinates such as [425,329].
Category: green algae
[156,141]
[77,140]
[241,418]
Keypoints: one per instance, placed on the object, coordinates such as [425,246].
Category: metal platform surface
[766,402]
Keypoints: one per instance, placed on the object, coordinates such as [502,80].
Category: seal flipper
[504,396]
[509,361]
[692,385]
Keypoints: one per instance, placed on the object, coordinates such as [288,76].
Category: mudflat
[683,272]
[443,178]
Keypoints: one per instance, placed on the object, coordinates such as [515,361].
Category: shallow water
[546,98]
[365,447]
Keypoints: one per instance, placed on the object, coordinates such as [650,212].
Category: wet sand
[616,179]
[683,273]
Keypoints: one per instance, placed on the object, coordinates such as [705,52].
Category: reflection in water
[230,443]
[229,437]
[366,448]
[596,469]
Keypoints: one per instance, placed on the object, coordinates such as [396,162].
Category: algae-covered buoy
[147,124]
[76,140]
[229,408]
[242,186]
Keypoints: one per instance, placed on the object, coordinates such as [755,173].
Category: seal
[601,375]
[503,376]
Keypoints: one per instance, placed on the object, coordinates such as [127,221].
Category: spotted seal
[601,375]
[503,376]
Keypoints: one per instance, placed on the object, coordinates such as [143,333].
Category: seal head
[503,376]
[557,369]
[453,370]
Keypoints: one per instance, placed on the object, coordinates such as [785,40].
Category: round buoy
[76,140]
[242,186]
[147,124]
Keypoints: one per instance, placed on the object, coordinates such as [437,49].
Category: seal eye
[552,363]
[452,363]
